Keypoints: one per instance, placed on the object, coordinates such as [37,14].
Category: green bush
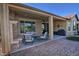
[74,38]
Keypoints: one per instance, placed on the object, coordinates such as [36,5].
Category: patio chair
[28,39]
[45,36]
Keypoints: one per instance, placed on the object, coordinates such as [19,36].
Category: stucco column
[5,28]
[38,27]
[51,27]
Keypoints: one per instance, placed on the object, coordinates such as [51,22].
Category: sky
[61,9]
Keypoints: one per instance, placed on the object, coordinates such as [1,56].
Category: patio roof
[26,14]
[32,9]
[70,16]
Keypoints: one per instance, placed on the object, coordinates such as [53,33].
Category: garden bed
[74,38]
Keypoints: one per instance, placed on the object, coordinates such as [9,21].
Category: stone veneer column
[5,28]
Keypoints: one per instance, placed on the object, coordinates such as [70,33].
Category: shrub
[74,38]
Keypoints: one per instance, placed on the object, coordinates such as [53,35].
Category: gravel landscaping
[60,47]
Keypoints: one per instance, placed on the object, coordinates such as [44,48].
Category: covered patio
[20,21]
[16,16]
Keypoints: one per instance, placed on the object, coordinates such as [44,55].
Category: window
[74,25]
[27,26]
[69,26]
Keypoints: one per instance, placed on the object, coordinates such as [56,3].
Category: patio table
[28,37]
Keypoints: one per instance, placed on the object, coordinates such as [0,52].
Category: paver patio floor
[60,47]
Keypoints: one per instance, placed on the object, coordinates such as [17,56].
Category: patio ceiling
[28,14]
[31,15]
[58,19]
[36,13]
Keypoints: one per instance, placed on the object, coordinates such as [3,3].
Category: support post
[5,28]
[51,27]
[38,27]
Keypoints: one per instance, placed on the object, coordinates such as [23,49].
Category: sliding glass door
[27,26]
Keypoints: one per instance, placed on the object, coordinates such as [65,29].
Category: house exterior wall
[69,28]
[61,24]
[38,24]
[70,23]
[78,27]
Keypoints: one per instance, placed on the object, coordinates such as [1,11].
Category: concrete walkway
[58,37]
[61,47]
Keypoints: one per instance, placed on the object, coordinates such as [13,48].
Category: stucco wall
[71,23]
[59,25]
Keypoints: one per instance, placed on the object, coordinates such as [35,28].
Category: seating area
[31,37]
[35,42]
